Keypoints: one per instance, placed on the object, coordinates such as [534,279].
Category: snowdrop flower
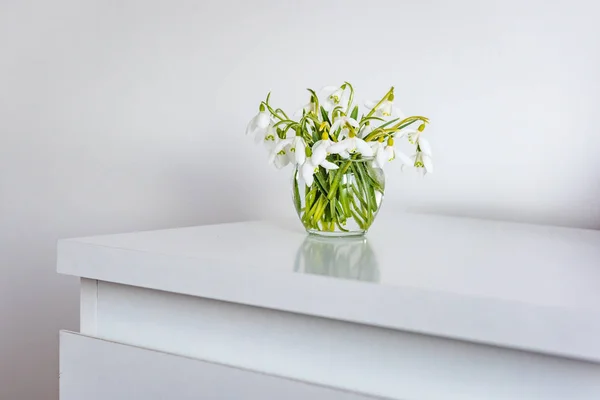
[311,106]
[366,129]
[423,162]
[259,124]
[422,159]
[320,149]
[376,145]
[298,147]
[378,148]
[269,138]
[282,158]
[332,96]
[386,109]
[280,154]
[414,137]
[383,153]
[387,153]
[350,145]
[311,165]
[344,122]
[294,146]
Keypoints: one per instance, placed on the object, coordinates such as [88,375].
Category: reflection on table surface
[347,258]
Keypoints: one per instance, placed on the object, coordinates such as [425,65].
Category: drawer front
[95,369]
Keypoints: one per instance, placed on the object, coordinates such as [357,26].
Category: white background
[124,115]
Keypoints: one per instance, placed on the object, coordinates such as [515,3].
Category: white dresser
[426,307]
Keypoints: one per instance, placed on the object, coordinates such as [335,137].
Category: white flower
[280,154]
[423,162]
[387,153]
[350,145]
[343,122]
[282,158]
[331,97]
[383,153]
[378,148]
[307,108]
[414,137]
[269,138]
[320,149]
[422,159]
[366,129]
[259,124]
[293,146]
[310,166]
[298,147]
[376,145]
[386,111]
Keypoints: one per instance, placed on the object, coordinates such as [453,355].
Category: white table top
[514,285]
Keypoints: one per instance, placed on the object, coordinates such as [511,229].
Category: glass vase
[339,202]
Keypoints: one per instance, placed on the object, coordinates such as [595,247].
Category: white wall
[119,116]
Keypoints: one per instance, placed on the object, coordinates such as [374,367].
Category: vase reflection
[346,258]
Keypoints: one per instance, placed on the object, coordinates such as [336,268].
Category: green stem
[337,179]
[279,110]
[384,98]
[273,113]
[351,98]
[377,133]
[317,107]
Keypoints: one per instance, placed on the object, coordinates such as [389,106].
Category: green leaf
[315,136]
[310,201]
[296,194]
[321,182]
[338,176]
[357,215]
[407,124]
[365,119]
[359,195]
[388,123]
[322,203]
[367,188]
[313,93]
[354,113]
[344,200]
[341,214]
[325,116]
[332,205]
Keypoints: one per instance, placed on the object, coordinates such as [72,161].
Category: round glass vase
[339,202]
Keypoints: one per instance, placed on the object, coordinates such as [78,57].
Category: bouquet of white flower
[338,181]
